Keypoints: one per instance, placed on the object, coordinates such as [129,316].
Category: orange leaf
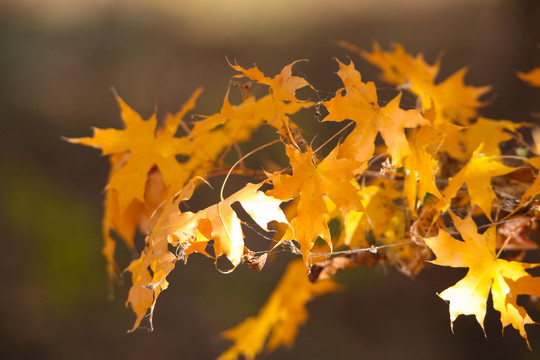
[236,123]
[282,100]
[455,99]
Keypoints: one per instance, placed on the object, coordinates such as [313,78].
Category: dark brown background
[58,61]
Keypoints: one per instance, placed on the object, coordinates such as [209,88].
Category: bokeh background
[58,61]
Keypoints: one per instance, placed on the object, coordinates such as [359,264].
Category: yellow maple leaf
[453,99]
[143,172]
[421,166]
[190,232]
[149,271]
[462,145]
[477,174]
[236,123]
[279,318]
[380,216]
[281,102]
[355,224]
[219,222]
[532,77]
[331,177]
[283,86]
[487,273]
[147,148]
[456,100]
[360,104]
[401,69]
[136,216]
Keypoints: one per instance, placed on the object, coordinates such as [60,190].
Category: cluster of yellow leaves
[140,150]
[452,98]
[311,184]
[146,182]
[436,157]
[190,232]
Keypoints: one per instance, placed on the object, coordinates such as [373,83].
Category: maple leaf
[274,107]
[143,172]
[384,222]
[462,145]
[279,318]
[360,104]
[400,68]
[452,97]
[150,270]
[236,123]
[147,148]
[331,177]
[455,99]
[487,273]
[136,215]
[379,216]
[477,174]
[190,232]
[532,77]
[220,223]
[355,224]
[283,85]
[421,166]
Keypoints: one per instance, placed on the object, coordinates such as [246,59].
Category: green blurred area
[56,74]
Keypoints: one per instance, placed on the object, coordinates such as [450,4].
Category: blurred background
[58,62]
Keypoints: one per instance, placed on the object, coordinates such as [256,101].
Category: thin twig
[372,249]
[333,136]
[524,143]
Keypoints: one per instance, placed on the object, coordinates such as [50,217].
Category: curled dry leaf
[325,269]
[513,234]
[255,262]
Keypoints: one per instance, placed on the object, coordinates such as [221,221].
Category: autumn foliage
[438,188]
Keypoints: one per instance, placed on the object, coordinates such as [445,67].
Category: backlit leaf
[487,273]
